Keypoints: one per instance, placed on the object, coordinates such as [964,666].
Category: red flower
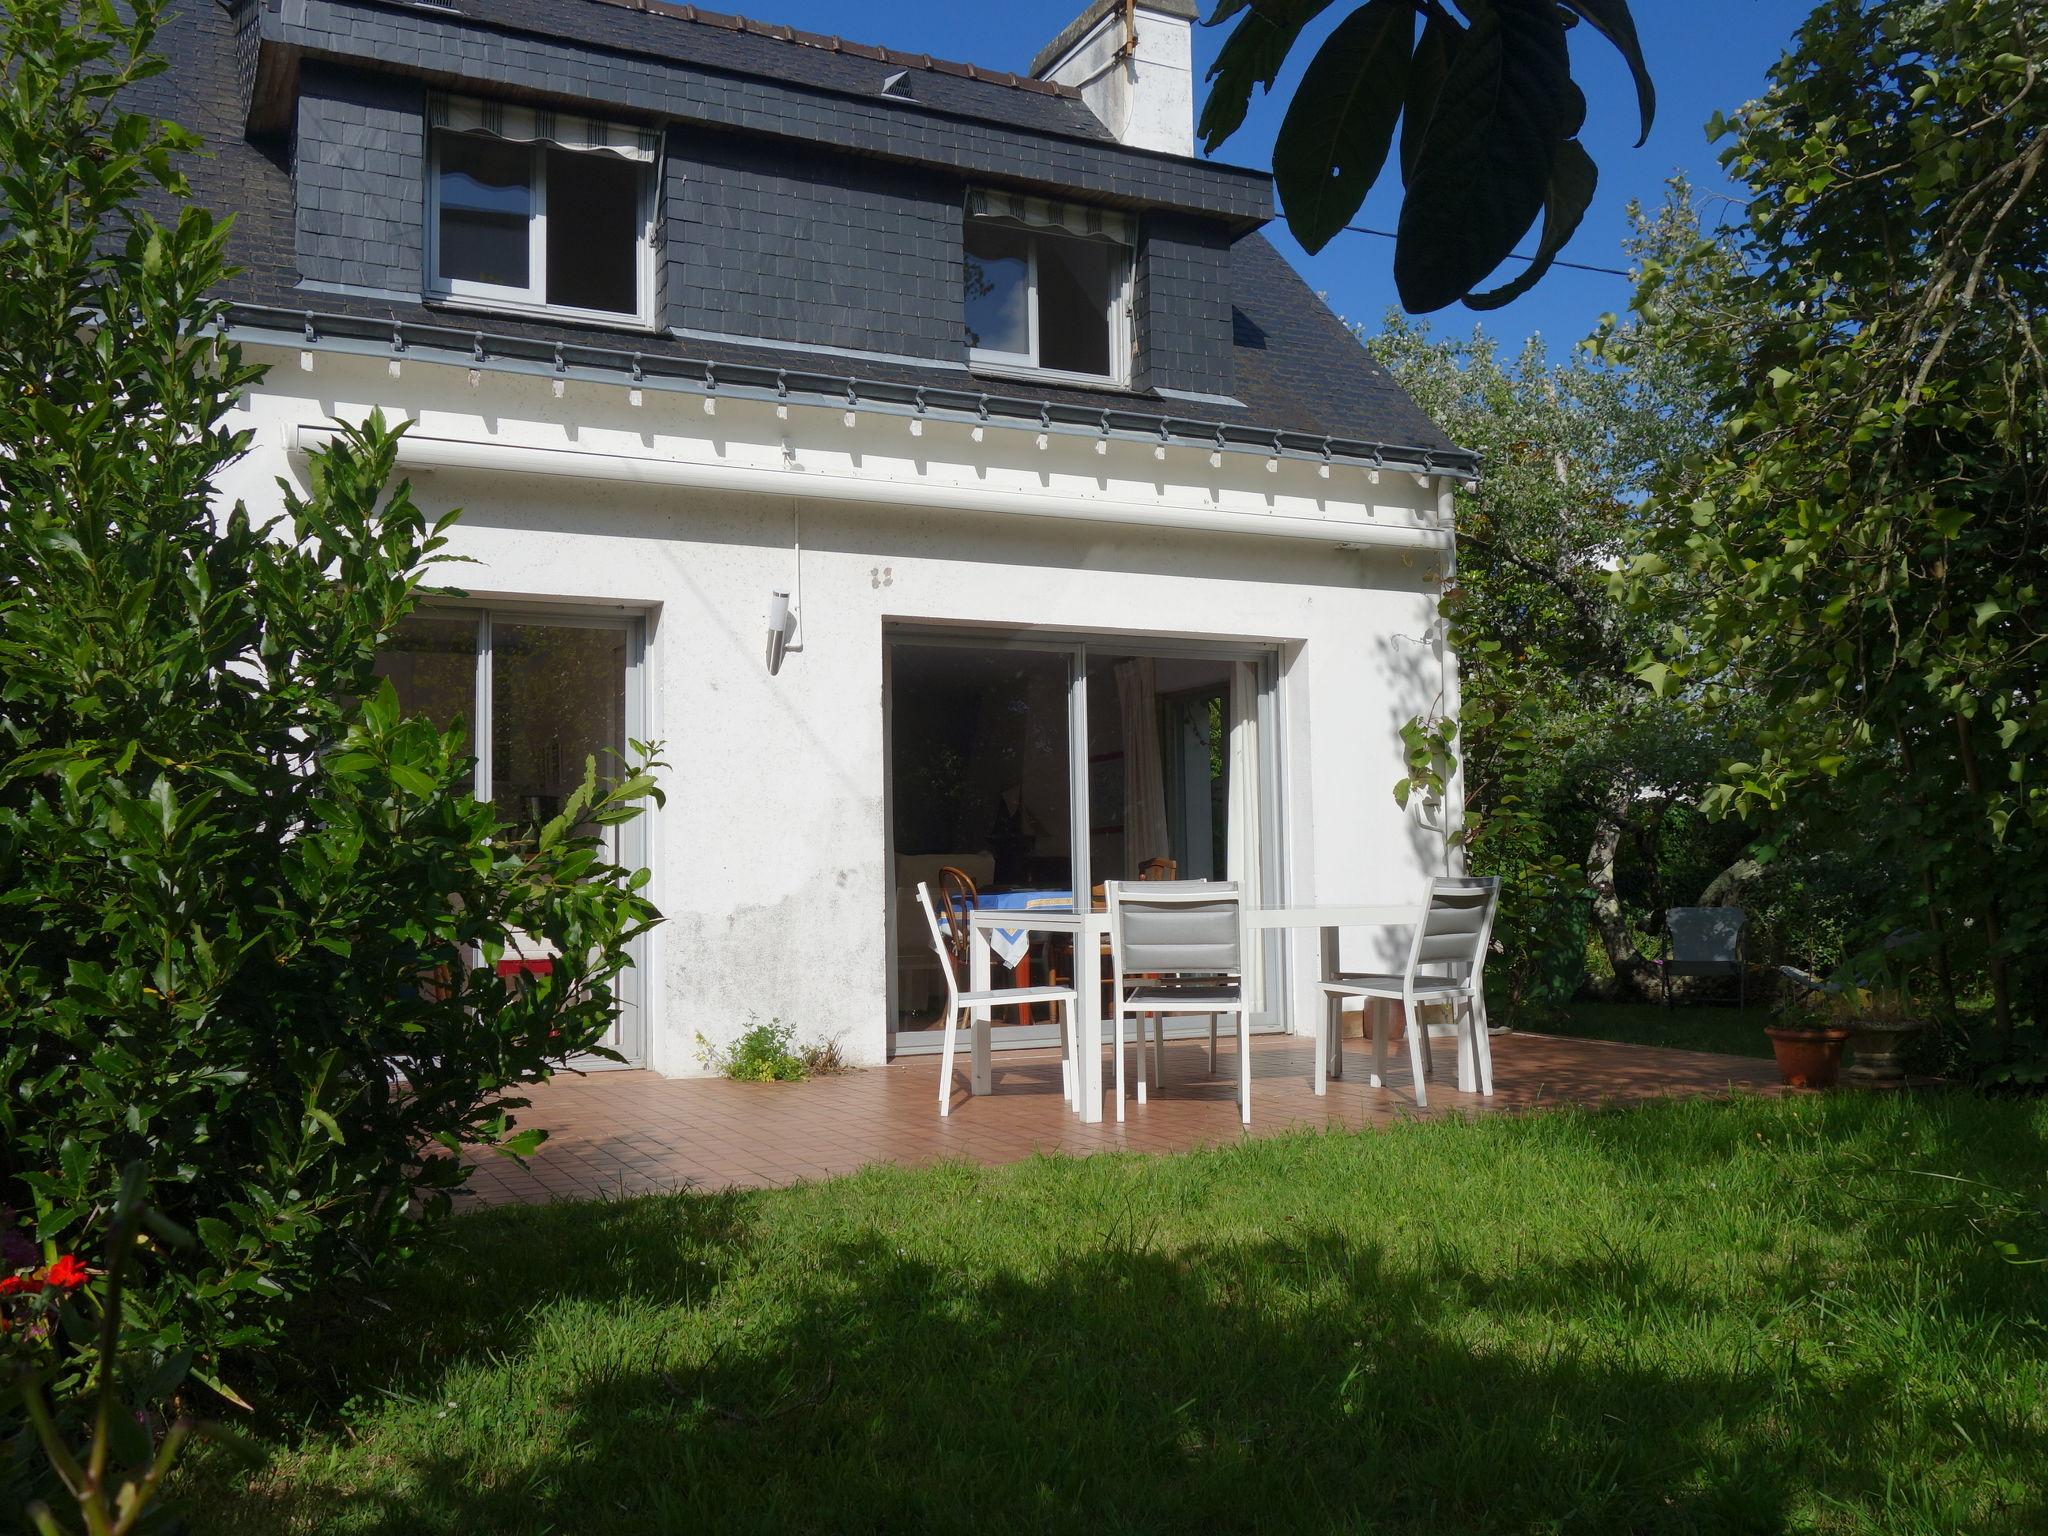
[67,1274]
[20,1285]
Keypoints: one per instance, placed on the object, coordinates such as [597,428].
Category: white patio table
[1089,929]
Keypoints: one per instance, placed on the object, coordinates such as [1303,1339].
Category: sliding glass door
[1026,770]
[543,693]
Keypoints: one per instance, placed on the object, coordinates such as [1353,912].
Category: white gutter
[424,452]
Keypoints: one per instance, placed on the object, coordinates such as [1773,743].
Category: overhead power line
[1576,266]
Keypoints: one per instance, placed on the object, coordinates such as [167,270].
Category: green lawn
[1729,1031]
[1749,1316]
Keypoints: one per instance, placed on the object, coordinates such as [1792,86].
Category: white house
[936,460]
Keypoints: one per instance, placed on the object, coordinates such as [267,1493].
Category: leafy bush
[251,913]
[763,1053]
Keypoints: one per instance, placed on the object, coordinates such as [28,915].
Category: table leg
[1088,1078]
[1468,1062]
[979,1076]
[1329,1017]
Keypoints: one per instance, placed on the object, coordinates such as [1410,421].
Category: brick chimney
[1133,63]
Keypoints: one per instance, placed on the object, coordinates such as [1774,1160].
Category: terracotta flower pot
[1808,1058]
[1878,1045]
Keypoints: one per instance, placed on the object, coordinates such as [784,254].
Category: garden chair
[1707,941]
[1446,967]
[1177,946]
[959,1003]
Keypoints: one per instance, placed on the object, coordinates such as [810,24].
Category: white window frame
[532,299]
[1026,364]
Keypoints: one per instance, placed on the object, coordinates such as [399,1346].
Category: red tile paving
[634,1132]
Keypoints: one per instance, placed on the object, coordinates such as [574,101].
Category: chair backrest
[941,942]
[957,898]
[1706,935]
[1158,869]
[1456,925]
[1175,927]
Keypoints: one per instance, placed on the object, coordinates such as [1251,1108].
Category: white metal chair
[1177,946]
[971,1003]
[1452,931]
[1707,941]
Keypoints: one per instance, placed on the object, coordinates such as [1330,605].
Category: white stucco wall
[1146,99]
[769,858]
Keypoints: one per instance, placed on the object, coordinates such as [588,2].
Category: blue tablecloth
[1011,944]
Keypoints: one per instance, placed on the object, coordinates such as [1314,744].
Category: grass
[1756,1315]
[1727,1031]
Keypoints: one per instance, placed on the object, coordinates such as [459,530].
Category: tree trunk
[1722,888]
[1632,969]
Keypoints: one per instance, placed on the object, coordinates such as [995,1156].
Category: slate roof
[691,35]
[1296,367]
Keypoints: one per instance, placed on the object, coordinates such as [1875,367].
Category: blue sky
[1704,57]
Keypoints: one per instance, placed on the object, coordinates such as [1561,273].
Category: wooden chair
[957,898]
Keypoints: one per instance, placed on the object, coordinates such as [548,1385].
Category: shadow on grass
[1305,1383]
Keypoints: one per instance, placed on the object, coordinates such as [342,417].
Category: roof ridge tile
[781,33]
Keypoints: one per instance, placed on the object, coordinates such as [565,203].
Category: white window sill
[594,317]
[1025,374]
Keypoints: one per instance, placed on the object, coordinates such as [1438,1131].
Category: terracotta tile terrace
[613,1133]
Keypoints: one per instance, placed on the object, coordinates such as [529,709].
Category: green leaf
[412,780]
[1611,19]
[1340,124]
[1426,70]
[1251,55]
[1485,165]
[523,1143]
[1572,181]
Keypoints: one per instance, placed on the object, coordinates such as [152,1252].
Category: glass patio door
[980,747]
[544,694]
[1038,769]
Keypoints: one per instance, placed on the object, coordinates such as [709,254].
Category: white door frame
[633,841]
[1263,662]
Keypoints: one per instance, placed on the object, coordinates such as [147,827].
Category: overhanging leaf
[1251,55]
[1341,123]
[1611,19]
[1572,181]
[1481,175]
[1426,70]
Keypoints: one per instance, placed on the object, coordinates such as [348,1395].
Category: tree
[1488,113]
[249,913]
[1555,737]
[1859,548]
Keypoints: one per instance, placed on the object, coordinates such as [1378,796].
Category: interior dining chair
[1446,967]
[960,1003]
[1177,946]
[957,898]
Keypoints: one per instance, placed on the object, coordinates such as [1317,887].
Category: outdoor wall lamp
[781,627]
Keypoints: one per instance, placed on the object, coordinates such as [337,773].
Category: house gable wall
[359,178]
[810,250]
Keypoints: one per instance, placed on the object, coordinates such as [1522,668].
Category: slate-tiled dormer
[809,195]
[767,234]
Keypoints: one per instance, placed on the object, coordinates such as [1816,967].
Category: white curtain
[1145,834]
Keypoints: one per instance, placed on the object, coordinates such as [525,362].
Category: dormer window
[530,209]
[1047,288]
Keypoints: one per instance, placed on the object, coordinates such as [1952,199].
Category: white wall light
[781,626]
